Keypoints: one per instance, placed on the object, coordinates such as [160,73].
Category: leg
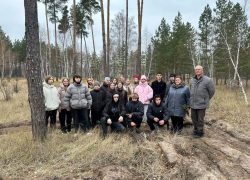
[151,124]
[194,117]
[180,124]
[47,118]
[137,120]
[104,126]
[69,120]
[145,113]
[200,123]
[62,115]
[174,123]
[89,118]
[75,119]
[84,119]
[53,118]
[95,115]
[118,127]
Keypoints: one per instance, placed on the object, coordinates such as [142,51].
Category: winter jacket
[145,92]
[176,99]
[109,96]
[201,91]
[98,100]
[90,87]
[104,87]
[135,107]
[129,90]
[124,99]
[77,96]
[51,97]
[158,111]
[114,110]
[61,93]
[159,88]
[134,86]
[167,90]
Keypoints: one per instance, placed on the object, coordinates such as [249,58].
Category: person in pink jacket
[145,93]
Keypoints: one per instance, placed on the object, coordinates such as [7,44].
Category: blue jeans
[80,117]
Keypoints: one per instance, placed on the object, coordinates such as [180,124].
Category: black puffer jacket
[159,88]
[114,110]
[109,96]
[124,99]
[98,100]
[159,111]
[104,87]
[135,107]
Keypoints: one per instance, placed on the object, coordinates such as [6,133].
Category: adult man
[105,84]
[159,86]
[78,99]
[157,114]
[201,91]
[135,111]
[98,103]
[171,79]
[129,88]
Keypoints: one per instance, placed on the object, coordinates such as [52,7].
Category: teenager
[128,88]
[122,93]
[90,83]
[136,81]
[159,86]
[115,81]
[110,92]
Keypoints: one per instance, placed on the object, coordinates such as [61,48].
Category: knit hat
[106,78]
[143,77]
[172,75]
[137,76]
[96,84]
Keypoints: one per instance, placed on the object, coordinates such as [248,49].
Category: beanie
[106,78]
[96,84]
[137,76]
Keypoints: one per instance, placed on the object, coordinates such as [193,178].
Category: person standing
[145,93]
[110,92]
[171,79]
[115,81]
[136,81]
[98,103]
[78,99]
[106,84]
[128,88]
[135,111]
[122,93]
[157,113]
[90,83]
[178,103]
[159,86]
[113,115]
[201,91]
[62,110]
[51,100]
[122,79]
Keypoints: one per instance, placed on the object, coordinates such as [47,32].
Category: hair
[135,95]
[65,88]
[127,79]
[159,73]
[91,80]
[109,90]
[123,91]
[157,96]
[77,76]
[198,66]
[48,77]
[116,80]
[178,76]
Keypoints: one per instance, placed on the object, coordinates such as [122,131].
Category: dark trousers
[152,122]
[89,117]
[136,119]
[197,116]
[177,123]
[96,116]
[62,116]
[80,117]
[52,116]
[115,126]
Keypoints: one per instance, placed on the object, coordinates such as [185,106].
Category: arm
[166,93]
[126,97]
[211,89]
[123,110]
[187,96]
[150,113]
[166,114]
[150,94]
[164,89]
[106,111]
[88,97]
[67,98]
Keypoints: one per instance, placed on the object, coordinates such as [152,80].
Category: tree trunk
[87,61]
[74,37]
[81,54]
[126,51]
[33,70]
[56,43]
[103,39]
[138,64]
[47,23]
[108,42]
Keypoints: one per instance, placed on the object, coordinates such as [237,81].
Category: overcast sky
[12,18]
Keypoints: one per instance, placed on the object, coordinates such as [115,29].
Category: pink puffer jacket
[144,91]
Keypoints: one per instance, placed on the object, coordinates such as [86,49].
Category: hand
[68,109]
[133,124]
[156,119]
[109,121]
[187,109]
[88,107]
[130,115]
[59,110]
[161,122]
[120,119]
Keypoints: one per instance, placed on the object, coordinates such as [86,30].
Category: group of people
[121,105]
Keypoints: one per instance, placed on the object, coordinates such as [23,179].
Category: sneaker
[153,132]
[89,133]
[138,131]
[158,129]
[194,133]
[75,135]
[172,132]
[179,134]
[144,135]
[198,136]
[64,131]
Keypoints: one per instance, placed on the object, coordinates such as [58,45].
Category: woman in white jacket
[51,99]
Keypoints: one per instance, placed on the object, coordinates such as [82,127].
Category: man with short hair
[159,86]
[201,91]
[106,84]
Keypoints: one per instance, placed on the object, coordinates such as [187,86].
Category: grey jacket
[167,90]
[176,99]
[201,91]
[77,96]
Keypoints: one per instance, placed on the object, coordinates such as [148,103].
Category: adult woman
[62,110]
[136,81]
[110,92]
[145,93]
[52,100]
[178,102]
[115,81]
[122,93]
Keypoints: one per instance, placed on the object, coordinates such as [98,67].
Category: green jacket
[51,97]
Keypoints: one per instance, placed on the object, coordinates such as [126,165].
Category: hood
[61,86]
[113,102]
[47,85]
[157,96]
[75,84]
[143,84]
[143,77]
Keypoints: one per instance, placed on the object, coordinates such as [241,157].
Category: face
[112,86]
[136,80]
[77,79]
[198,71]
[122,79]
[115,81]
[134,99]
[51,81]
[158,76]
[177,81]
[119,85]
[107,81]
[158,101]
[128,82]
[97,87]
[65,82]
[116,97]
[143,80]
[171,79]
[90,81]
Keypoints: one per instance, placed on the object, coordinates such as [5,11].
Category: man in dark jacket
[171,79]
[135,111]
[98,103]
[113,115]
[105,84]
[201,91]
[157,114]
[159,86]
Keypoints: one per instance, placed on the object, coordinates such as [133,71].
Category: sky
[12,18]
